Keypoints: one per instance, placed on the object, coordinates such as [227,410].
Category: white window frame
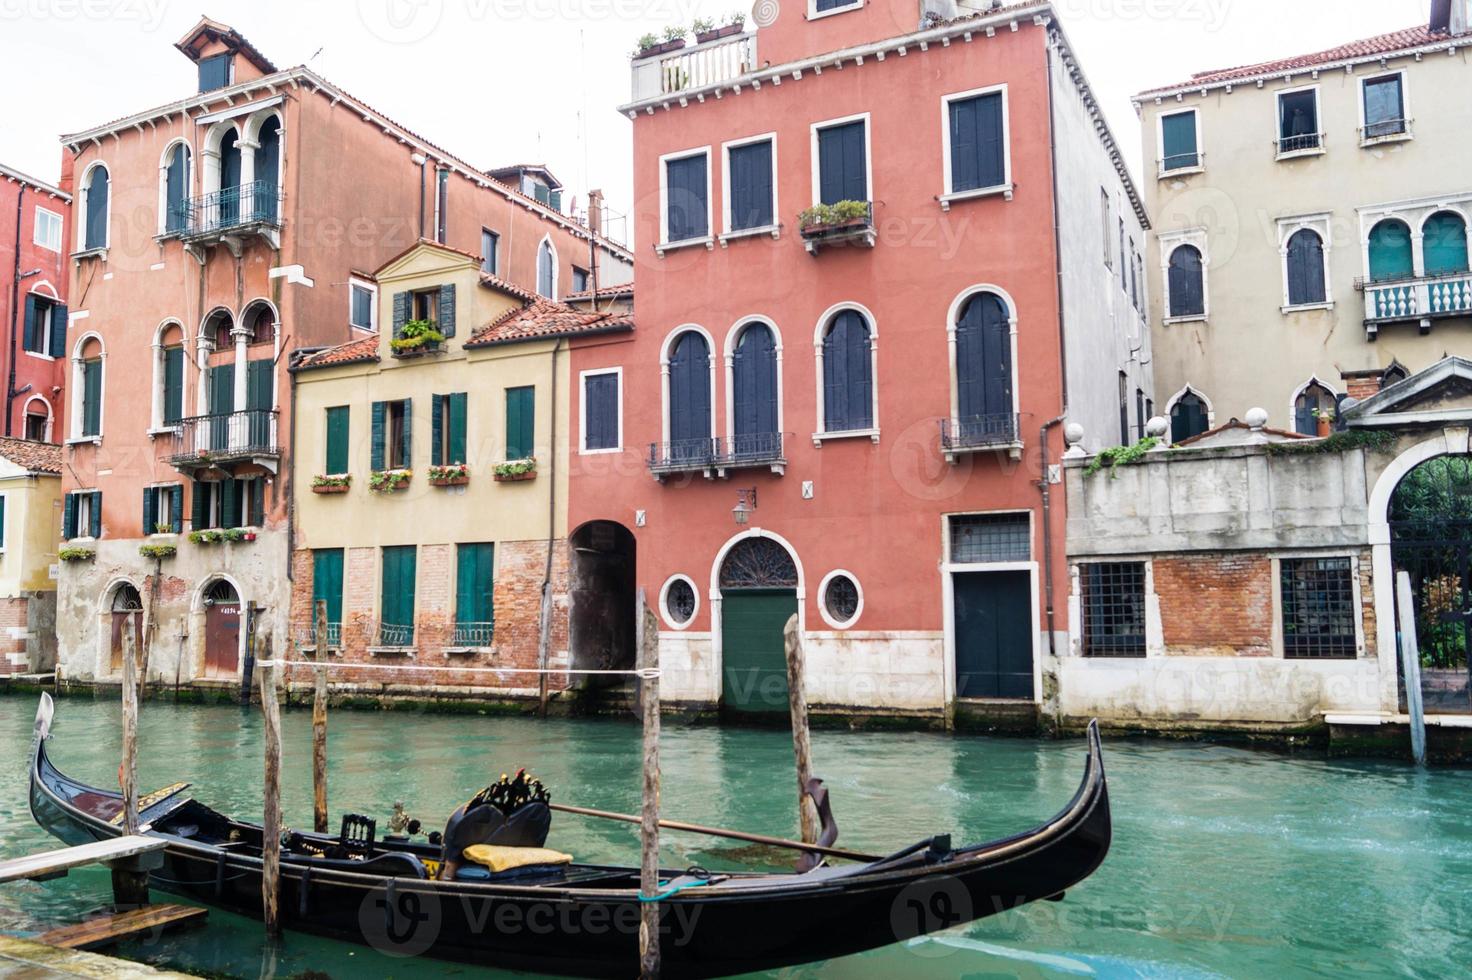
[952,316]
[60,230]
[163,183]
[1161,172]
[826,613]
[733,336]
[813,13]
[83,517]
[1405,108]
[583,377]
[1168,242]
[708,240]
[1154,625]
[356,282]
[1321,224]
[52,304]
[664,594]
[1170,405]
[1316,151]
[1314,380]
[666,351]
[495,269]
[821,433]
[556,269]
[82,200]
[77,411]
[948,193]
[949,568]
[815,128]
[160,506]
[1106,218]
[25,413]
[775,228]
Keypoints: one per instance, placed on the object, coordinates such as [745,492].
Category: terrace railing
[208,439]
[257,203]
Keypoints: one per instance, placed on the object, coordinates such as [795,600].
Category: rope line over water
[646,673]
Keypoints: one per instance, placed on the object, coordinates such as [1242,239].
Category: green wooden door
[754,668]
[260,393]
[475,584]
[327,585]
[397,603]
[222,404]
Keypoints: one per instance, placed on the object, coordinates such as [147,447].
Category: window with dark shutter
[173,385]
[1391,254]
[823,6]
[1312,402]
[984,395]
[447,429]
[338,420]
[91,398]
[1179,146]
[848,382]
[690,398]
[600,412]
[546,271]
[686,199]
[445,319]
[35,332]
[95,217]
[490,244]
[978,141]
[396,604]
[1305,268]
[579,280]
[1385,108]
[214,72]
[754,393]
[360,310]
[59,317]
[1186,282]
[176,189]
[521,423]
[475,600]
[1298,121]
[327,564]
[1124,409]
[751,185]
[843,173]
[1187,417]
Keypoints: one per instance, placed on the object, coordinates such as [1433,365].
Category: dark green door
[755,664]
[994,624]
[222,404]
[260,393]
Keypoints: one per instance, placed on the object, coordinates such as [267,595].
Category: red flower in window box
[516,471]
[454,475]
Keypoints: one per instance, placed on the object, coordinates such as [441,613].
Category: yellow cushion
[506,858]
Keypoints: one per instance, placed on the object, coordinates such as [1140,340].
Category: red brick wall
[13,617]
[1216,605]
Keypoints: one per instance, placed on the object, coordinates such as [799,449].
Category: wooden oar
[695,828]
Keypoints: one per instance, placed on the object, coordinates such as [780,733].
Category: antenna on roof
[315,53]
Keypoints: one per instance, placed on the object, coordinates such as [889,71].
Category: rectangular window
[447,446]
[521,423]
[214,72]
[1112,599]
[1385,107]
[843,162]
[173,385]
[163,509]
[823,6]
[579,280]
[1140,417]
[327,566]
[1180,144]
[229,503]
[1124,409]
[396,603]
[750,186]
[44,320]
[441,205]
[687,198]
[475,600]
[2,522]
[1298,121]
[984,538]
[490,246]
[1107,224]
[602,429]
[1124,280]
[339,419]
[82,514]
[362,303]
[426,305]
[391,447]
[978,142]
[1318,608]
[47,233]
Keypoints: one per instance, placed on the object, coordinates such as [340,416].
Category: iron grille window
[679,602]
[1113,602]
[1318,608]
[991,538]
[841,598]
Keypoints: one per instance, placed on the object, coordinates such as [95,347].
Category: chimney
[595,212]
[1458,19]
[1449,17]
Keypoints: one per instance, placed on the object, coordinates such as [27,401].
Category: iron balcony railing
[684,455]
[307,636]
[237,435]
[979,432]
[753,449]
[394,635]
[1182,161]
[474,634]
[1385,129]
[252,204]
[1299,143]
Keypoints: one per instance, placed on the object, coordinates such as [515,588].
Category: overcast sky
[503,81]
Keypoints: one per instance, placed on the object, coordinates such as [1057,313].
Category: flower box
[827,224]
[449,481]
[453,475]
[157,551]
[516,477]
[328,488]
[76,554]
[515,471]
[390,481]
[664,47]
[416,350]
[705,37]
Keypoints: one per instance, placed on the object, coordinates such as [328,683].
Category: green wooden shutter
[257,515]
[199,516]
[176,508]
[474,583]
[229,504]
[401,312]
[173,385]
[457,428]
[59,316]
[327,582]
[398,585]
[408,460]
[2,522]
[92,398]
[436,429]
[338,419]
[28,341]
[150,509]
[447,310]
[69,517]
[96,514]
[377,444]
[520,423]
[222,389]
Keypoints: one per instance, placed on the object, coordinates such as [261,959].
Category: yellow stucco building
[30,517]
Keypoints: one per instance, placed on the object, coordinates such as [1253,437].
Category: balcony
[684,456]
[1299,145]
[1385,131]
[229,216]
[391,638]
[980,434]
[689,69]
[1421,300]
[248,436]
[307,637]
[472,636]
[844,223]
[759,450]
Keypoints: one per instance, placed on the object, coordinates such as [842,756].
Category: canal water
[1226,862]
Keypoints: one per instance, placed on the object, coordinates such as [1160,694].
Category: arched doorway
[221,630]
[758,581]
[126,604]
[1431,540]
[601,620]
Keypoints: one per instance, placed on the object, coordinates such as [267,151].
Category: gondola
[582,919]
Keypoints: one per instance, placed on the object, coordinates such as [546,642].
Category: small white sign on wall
[54,572]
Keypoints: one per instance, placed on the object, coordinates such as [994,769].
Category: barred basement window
[841,600]
[1318,608]
[1113,602]
[977,538]
[679,602]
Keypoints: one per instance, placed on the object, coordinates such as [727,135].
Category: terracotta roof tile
[507,286]
[541,319]
[36,457]
[361,351]
[604,292]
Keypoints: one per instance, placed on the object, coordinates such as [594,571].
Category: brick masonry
[1216,605]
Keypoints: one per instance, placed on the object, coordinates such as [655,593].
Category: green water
[1226,862]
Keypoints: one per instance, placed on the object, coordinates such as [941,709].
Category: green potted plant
[390,481]
[416,337]
[707,30]
[515,471]
[452,475]
[336,483]
[157,551]
[207,536]
[76,554]
[1324,422]
[674,40]
[163,529]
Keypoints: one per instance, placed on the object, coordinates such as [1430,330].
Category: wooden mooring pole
[648,643]
[802,746]
[130,885]
[271,825]
[319,724]
[1410,653]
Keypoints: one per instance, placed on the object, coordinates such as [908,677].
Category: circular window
[680,601]
[842,599]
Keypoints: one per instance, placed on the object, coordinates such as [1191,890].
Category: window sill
[1005,190]
[1180,172]
[1173,320]
[168,236]
[1307,307]
[165,430]
[39,356]
[84,441]
[821,437]
[708,243]
[409,652]
[90,253]
[610,451]
[814,14]
[1374,141]
[774,230]
[1317,151]
[333,650]
[468,651]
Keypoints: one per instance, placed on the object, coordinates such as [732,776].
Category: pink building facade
[33,289]
[886,253]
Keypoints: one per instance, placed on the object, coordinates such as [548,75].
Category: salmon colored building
[216,237]
[887,251]
[33,283]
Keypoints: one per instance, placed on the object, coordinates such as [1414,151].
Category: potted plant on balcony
[453,475]
[416,337]
[338,483]
[1324,422]
[515,471]
[390,481]
[706,30]
[76,554]
[650,46]
[834,220]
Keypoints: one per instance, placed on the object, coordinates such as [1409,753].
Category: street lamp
[745,504]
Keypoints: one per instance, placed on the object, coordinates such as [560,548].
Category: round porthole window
[842,600]
[679,601]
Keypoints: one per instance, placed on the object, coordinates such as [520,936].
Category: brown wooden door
[119,624]
[222,639]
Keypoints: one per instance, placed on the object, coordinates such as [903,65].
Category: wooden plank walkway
[104,930]
[30,959]
[54,863]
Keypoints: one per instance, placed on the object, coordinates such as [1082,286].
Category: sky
[517,81]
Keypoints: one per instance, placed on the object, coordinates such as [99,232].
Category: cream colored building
[431,482]
[1310,221]
[30,514]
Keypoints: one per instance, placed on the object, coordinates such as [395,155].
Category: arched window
[260,323]
[217,328]
[268,170]
[38,419]
[848,374]
[169,376]
[1390,251]
[1188,417]
[1306,268]
[754,392]
[1186,282]
[984,371]
[546,270]
[176,189]
[227,213]
[1313,400]
[689,398]
[87,365]
[95,220]
[1444,244]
